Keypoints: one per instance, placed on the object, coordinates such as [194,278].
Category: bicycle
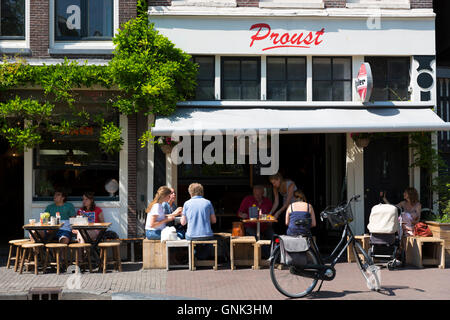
[297,282]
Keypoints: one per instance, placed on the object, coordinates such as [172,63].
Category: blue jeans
[153,234]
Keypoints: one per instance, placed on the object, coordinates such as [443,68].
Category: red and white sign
[364,82]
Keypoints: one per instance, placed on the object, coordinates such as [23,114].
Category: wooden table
[49,230]
[83,230]
[258,225]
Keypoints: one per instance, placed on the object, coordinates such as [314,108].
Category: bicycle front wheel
[368,269]
[287,281]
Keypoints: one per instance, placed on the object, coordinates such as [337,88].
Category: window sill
[204,3]
[376,5]
[83,47]
[288,4]
[21,51]
[14,47]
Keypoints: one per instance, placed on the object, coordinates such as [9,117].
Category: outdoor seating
[241,249]
[178,244]
[364,241]
[82,253]
[421,251]
[34,250]
[203,263]
[115,246]
[15,245]
[60,254]
[258,262]
[153,254]
[130,242]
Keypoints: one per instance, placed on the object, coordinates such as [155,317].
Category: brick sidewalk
[241,284]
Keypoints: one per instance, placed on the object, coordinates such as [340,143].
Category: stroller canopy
[383,219]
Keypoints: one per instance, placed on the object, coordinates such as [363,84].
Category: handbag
[293,251]
[422,230]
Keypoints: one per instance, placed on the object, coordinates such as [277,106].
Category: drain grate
[45,293]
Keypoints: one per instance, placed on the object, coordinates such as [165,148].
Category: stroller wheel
[390,265]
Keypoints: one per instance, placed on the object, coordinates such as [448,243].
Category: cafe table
[258,225]
[50,231]
[83,230]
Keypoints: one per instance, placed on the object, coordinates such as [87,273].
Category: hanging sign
[364,82]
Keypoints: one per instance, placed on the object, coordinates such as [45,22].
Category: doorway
[11,192]
[386,167]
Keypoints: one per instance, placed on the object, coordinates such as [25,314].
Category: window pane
[231,90]
[249,69]
[297,91]
[83,19]
[205,68]
[398,69]
[204,90]
[250,90]
[276,68]
[342,91]
[296,68]
[342,69]
[276,90]
[12,19]
[231,70]
[398,91]
[322,91]
[322,69]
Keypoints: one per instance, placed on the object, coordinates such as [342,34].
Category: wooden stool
[57,248]
[153,254]
[131,242]
[245,245]
[34,249]
[178,244]
[422,251]
[115,246]
[15,244]
[257,254]
[364,241]
[82,250]
[203,263]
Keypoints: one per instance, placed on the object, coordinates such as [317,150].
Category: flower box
[441,231]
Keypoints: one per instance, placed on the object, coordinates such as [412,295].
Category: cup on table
[32,221]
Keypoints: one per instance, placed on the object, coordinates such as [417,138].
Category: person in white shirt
[156,219]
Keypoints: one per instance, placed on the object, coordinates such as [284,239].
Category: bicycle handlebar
[324,215]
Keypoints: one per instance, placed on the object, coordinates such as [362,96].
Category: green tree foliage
[149,74]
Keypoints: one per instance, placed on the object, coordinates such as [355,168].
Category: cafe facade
[293,67]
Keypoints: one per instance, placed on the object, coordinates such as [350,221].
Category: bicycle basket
[339,215]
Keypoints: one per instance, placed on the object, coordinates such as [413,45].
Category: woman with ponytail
[156,219]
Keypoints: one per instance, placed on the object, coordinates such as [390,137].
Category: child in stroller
[385,235]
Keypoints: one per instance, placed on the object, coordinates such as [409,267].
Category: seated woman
[411,210]
[299,210]
[156,219]
[92,212]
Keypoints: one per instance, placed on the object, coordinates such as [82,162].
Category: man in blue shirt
[198,214]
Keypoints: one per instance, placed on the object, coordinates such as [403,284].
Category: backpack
[293,251]
[421,230]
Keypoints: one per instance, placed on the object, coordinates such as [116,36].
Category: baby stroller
[385,235]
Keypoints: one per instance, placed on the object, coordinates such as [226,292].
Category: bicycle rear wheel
[368,269]
[287,281]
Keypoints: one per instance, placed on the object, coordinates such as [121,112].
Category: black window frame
[84,19]
[286,80]
[20,37]
[212,80]
[332,80]
[388,79]
[258,77]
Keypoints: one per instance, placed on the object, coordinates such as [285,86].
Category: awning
[300,120]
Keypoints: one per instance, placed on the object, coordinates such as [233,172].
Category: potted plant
[361,139]
[439,225]
[166,144]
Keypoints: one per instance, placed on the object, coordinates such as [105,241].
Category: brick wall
[39,28]
[247,3]
[132,175]
[127,10]
[426,4]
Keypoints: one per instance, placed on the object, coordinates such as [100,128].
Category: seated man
[261,202]
[198,214]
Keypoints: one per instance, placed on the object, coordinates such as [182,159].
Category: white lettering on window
[74,20]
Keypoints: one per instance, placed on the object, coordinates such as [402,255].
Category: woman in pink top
[92,212]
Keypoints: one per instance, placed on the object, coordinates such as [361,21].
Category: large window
[286,78]
[332,79]
[241,78]
[12,19]
[72,161]
[205,78]
[390,78]
[83,20]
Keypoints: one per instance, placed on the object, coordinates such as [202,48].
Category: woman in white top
[156,219]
